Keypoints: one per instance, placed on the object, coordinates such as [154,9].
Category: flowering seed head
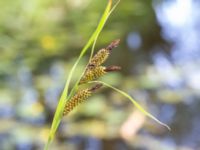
[80,97]
[99,58]
[92,74]
[102,55]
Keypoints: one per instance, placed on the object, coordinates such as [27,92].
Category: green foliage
[66,95]
[137,105]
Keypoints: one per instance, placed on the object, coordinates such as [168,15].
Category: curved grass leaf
[94,43]
[64,96]
[75,87]
[134,102]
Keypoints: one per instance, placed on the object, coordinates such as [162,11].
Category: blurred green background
[159,54]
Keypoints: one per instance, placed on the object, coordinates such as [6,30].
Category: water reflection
[93,143]
[170,75]
[180,25]
[134,40]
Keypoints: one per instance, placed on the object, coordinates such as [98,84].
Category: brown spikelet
[102,55]
[80,97]
[99,58]
[113,44]
[92,74]
[112,68]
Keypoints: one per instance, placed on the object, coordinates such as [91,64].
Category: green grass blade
[59,110]
[94,43]
[98,31]
[134,102]
[114,7]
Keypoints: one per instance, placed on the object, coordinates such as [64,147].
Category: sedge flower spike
[102,55]
[78,98]
[94,69]
[97,72]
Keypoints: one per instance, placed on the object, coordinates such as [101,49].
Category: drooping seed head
[77,99]
[92,74]
[102,55]
[95,73]
[99,58]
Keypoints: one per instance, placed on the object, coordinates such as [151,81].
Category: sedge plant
[93,70]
